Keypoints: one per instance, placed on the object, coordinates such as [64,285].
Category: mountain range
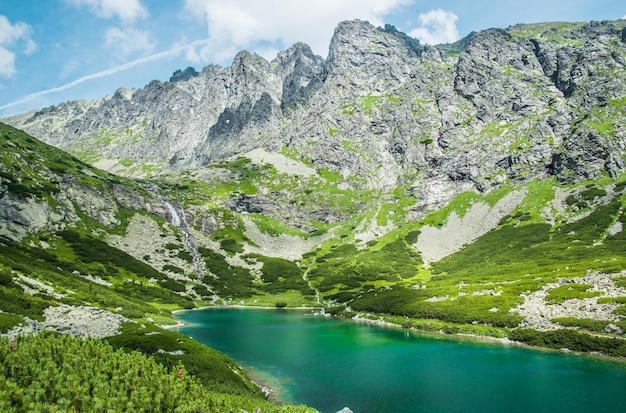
[475,187]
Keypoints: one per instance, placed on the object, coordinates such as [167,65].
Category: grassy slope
[526,251]
[521,255]
[34,171]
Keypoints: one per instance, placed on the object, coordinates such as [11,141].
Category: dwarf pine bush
[49,373]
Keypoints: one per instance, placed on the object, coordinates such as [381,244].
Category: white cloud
[11,33]
[126,10]
[128,41]
[11,36]
[437,26]
[7,63]
[242,24]
[31,46]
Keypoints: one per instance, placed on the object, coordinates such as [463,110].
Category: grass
[558,32]
[478,285]
[569,292]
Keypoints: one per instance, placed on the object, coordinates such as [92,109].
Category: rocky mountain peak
[186,74]
[366,56]
[382,110]
[301,71]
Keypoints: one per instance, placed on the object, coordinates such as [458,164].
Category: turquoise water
[329,364]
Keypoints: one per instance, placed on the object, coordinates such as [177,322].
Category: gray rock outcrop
[516,104]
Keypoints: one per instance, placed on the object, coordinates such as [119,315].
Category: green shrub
[202,291]
[585,323]
[280,275]
[231,245]
[570,291]
[621,311]
[212,368]
[186,256]
[345,266]
[60,373]
[5,277]
[8,321]
[592,193]
[173,268]
[570,339]
[234,282]
[18,302]
[173,285]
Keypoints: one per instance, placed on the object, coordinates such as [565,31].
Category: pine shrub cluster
[58,373]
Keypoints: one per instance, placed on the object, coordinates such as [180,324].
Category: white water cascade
[174,218]
[180,222]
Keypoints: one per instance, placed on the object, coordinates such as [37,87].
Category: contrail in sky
[171,52]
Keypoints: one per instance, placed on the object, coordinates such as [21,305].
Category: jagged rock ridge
[501,105]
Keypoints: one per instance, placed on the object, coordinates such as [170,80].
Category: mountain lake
[329,363]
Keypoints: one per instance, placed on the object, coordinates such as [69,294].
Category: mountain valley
[470,188]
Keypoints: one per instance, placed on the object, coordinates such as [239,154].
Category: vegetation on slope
[69,263]
[381,272]
[68,243]
[61,373]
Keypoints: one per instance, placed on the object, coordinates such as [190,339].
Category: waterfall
[180,222]
[174,218]
[196,262]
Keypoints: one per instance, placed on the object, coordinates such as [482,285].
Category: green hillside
[59,373]
[355,252]
[72,235]
[68,264]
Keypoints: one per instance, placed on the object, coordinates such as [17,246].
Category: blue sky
[53,51]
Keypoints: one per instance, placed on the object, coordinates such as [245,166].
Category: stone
[182,75]
[612,328]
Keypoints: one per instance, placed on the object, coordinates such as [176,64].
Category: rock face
[501,105]
[43,189]
[181,75]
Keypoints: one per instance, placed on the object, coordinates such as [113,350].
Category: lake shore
[381,322]
[452,336]
[356,359]
[359,319]
[236,306]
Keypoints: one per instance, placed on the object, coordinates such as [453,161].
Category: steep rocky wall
[515,104]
